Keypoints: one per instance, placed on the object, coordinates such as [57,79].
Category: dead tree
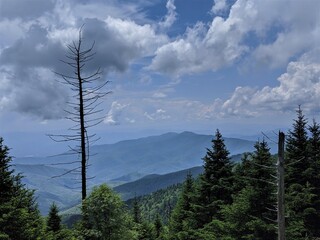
[83,108]
[280,185]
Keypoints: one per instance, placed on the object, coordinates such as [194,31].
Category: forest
[228,200]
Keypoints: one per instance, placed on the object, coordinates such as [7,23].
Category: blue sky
[241,66]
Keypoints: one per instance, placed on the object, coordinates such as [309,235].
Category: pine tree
[301,185]
[313,216]
[181,216]
[19,215]
[136,211]
[54,220]
[215,185]
[158,227]
[261,180]
[314,153]
[298,163]
[250,215]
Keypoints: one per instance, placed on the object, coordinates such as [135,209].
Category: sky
[174,65]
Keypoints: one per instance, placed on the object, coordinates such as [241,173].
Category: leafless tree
[83,108]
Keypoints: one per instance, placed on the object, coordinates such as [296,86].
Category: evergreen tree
[179,224]
[298,163]
[261,180]
[215,184]
[158,227]
[301,178]
[54,220]
[136,211]
[19,215]
[250,215]
[313,219]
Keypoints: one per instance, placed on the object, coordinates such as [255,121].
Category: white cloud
[300,85]
[114,114]
[277,33]
[219,6]
[171,16]
[43,34]
[159,114]
[159,95]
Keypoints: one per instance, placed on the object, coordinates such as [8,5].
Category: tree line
[228,200]
[238,201]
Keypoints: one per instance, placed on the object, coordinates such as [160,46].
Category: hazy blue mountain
[120,163]
[157,154]
[154,182]
[49,188]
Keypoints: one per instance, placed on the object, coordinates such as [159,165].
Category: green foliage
[214,188]
[19,215]
[137,218]
[158,227]
[145,231]
[105,217]
[55,231]
[54,220]
[225,202]
[303,176]
[181,216]
[297,151]
[160,202]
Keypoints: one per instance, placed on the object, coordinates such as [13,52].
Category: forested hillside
[229,200]
[118,164]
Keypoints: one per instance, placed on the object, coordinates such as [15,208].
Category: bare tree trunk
[82,129]
[280,195]
[84,105]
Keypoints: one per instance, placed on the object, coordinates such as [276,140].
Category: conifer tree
[181,216]
[314,153]
[313,216]
[136,211]
[301,196]
[261,180]
[54,220]
[298,163]
[250,215]
[215,184]
[19,215]
[158,227]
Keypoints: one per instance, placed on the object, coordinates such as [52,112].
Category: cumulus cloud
[118,42]
[266,32]
[219,6]
[300,85]
[37,41]
[114,114]
[31,93]
[225,41]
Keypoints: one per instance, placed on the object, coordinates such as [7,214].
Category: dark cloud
[33,50]
[34,57]
[26,9]
[28,66]
[34,92]
[112,52]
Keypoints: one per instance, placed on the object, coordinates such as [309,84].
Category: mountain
[119,163]
[48,187]
[154,182]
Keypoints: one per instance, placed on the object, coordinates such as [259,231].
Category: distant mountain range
[120,163]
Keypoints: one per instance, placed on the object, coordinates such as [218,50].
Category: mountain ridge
[122,162]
